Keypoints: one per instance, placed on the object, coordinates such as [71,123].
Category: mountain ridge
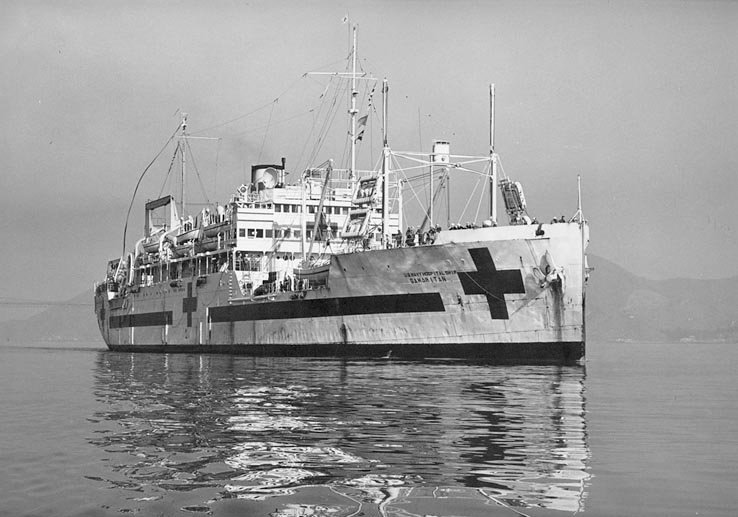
[624,306]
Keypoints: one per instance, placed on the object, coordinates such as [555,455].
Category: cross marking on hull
[494,284]
[189,304]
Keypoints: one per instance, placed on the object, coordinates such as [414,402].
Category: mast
[353,111]
[319,211]
[492,157]
[385,165]
[303,208]
[184,161]
[448,200]
[399,208]
[432,197]
[582,224]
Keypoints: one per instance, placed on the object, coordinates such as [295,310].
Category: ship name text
[433,277]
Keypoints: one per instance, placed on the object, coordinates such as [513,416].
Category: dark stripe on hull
[142,319]
[493,353]
[324,307]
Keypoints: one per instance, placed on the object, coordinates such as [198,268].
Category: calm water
[641,430]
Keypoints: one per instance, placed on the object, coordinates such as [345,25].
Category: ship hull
[477,294]
[498,353]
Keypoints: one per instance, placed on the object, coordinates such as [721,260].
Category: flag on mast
[362,127]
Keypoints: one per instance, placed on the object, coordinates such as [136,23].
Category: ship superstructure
[326,265]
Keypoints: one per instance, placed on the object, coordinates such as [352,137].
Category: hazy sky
[640,98]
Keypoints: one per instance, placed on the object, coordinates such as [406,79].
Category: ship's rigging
[408,175]
[336,256]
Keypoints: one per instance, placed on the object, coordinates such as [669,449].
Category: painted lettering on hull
[433,277]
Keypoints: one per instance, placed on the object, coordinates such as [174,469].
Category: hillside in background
[74,322]
[620,306]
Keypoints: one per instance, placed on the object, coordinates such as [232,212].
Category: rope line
[171,166]
[138,183]
[266,131]
[197,172]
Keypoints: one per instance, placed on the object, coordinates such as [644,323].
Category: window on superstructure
[277,208]
[268,234]
[242,232]
[259,233]
[297,234]
[295,208]
[309,234]
[311,209]
[286,233]
[251,233]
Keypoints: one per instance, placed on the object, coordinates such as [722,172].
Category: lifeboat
[184,249]
[208,244]
[313,275]
[214,229]
[151,245]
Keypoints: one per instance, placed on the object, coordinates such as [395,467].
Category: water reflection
[386,437]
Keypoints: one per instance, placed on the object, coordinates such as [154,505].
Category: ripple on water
[191,424]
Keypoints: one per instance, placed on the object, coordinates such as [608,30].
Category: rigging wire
[476,185]
[263,106]
[171,166]
[20,302]
[240,117]
[481,197]
[266,131]
[216,126]
[412,190]
[277,123]
[197,172]
[215,175]
[327,123]
[419,182]
[329,118]
[138,183]
[316,117]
